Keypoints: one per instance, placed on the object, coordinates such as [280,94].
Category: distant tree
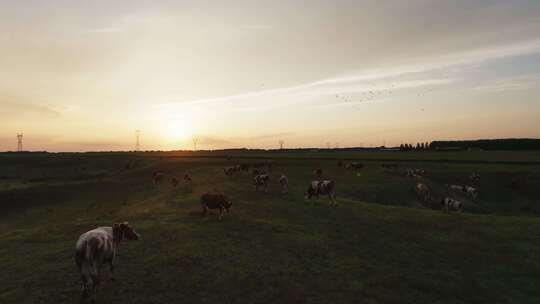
[401,148]
[417,146]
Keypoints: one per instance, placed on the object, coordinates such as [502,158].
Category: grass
[378,246]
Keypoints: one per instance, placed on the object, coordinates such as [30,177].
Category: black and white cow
[325,187]
[96,249]
[261,180]
[450,204]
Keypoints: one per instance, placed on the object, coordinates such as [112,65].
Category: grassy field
[380,245]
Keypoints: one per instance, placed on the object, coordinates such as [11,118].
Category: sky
[85,75]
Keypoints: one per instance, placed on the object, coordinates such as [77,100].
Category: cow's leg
[205,210]
[84,287]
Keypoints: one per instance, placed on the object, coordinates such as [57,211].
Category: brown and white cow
[284,182]
[96,249]
[325,187]
[450,204]
[215,201]
[261,180]
[423,192]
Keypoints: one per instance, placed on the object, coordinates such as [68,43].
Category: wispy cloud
[417,74]
[106,30]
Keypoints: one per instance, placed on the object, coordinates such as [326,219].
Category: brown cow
[215,201]
[157,176]
[423,192]
[174,181]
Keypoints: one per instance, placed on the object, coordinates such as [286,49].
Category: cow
[450,204]
[474,177]
[229,171]
[317,172]
[215,201]
[261,180]
[416,173]
[188,181]
[157,176]
[174,181]
[284,182]
[97,248]
[469,191]
[325,187]
[354,166]
[256,172]
[423,192]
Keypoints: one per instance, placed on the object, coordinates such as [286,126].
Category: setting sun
[178,129]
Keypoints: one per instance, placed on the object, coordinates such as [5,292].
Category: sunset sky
[84,75]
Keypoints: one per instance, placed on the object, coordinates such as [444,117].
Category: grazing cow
[475,177]
[317,172]
[215,201]
[417,173]
[354,166]
[157,176]
[229,171]
[423,192]
[450,204]
[467,190]
[256,172]
[174,181]
[325,187]
[261,180]
[284,182]
[97,248]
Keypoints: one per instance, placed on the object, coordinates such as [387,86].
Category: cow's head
[309,192]
[124,232]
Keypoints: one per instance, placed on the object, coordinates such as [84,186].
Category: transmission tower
[19,142]
[137,140]
[195,141]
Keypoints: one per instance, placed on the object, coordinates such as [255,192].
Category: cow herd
[96,249]
[447,203]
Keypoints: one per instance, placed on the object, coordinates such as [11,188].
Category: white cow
[97,248]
